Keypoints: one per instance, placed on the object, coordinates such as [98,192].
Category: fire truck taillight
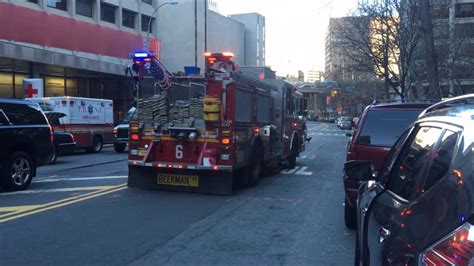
[229,54]
[225,141]
[134,137]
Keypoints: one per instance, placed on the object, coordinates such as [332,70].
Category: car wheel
[96,145]
[349,215]
[254,169]
[120,147]
[18,171]
[54,158]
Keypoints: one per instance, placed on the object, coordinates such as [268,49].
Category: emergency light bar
[140,55]
[226,54]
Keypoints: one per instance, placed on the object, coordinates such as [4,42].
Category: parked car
[26,141]
[419,210]
[121,132]
[64,142]
[381,124]
[345,122]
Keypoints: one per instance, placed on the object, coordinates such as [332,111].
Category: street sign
[33,88]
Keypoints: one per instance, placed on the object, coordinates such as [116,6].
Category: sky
[295,29]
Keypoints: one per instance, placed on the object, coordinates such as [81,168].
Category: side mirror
[359,170]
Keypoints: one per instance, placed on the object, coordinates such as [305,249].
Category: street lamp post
[151,19]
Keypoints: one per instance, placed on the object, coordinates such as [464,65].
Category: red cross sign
[30,92]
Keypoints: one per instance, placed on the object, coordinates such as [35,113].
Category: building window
[465,10]
[107,13]
[145,22]
[147,1]
[58,4]
[440,11]
[128,18]
[6,85]
[19,84]
[84,7]
[54,86]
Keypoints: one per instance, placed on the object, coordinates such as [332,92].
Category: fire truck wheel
[96,145]
[120,147]
[293,155]
[254,167]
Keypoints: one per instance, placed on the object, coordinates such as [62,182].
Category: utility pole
[195,34]
[430,53]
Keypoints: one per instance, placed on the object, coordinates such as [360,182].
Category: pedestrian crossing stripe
[297,171]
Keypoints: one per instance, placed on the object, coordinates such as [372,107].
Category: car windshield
[128,116]
[384,127]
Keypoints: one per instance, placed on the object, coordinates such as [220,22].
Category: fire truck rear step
[210,181]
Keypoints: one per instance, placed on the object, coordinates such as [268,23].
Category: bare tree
[429,50]
[381,36]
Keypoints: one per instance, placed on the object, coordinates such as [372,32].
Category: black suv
[26,142]
[419,209]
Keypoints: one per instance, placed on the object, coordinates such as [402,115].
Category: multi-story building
[340,64]
[82,47]
[313,75]
[254,38]
[453,22]
[78,47]
[300,76]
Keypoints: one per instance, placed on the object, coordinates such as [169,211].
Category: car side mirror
[359,170]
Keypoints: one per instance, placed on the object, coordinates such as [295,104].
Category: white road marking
[297,171]
[69,189]
[290,171]
[302,171]
[47,180]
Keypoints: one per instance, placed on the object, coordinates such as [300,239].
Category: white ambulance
[89,120]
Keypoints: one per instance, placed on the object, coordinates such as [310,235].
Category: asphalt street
[79,211]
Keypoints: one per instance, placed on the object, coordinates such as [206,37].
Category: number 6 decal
[179,151]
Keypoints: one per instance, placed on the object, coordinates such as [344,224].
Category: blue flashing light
[141,55]
[463,218]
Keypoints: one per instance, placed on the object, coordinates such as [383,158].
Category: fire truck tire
[254,168]
[97,145]
[293,155]
[120,147]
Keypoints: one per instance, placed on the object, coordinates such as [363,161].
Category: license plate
[141,152]
[178,180]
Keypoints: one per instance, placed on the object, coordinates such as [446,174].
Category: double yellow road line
[22,211]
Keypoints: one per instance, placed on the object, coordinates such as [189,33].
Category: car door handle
[384,234]
[364,210]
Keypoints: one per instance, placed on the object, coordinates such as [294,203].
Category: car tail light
[51,134]
[455,249]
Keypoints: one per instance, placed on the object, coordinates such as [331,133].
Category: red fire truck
[207,133]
